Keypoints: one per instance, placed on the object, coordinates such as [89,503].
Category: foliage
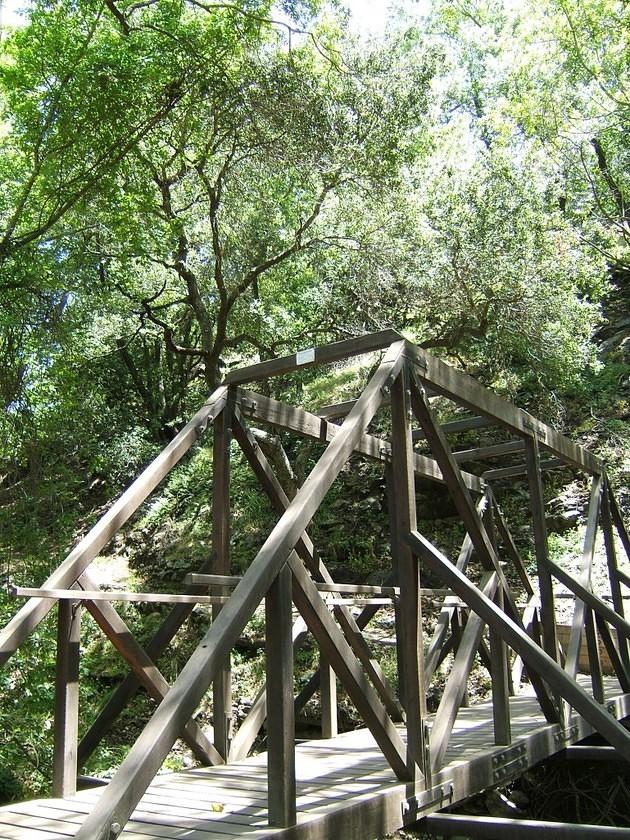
[192,185]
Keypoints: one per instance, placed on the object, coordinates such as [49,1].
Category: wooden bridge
[405,764]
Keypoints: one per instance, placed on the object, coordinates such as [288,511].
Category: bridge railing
[506,618]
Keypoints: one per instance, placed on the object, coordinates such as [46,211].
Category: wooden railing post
[328,697]
[410,642]
[222,684]
[611,557]
[67,699]
[280,714]
[537,501]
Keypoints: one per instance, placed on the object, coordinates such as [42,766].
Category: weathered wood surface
[25,621]
[344,785]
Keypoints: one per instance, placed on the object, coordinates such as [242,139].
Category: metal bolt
[115,829]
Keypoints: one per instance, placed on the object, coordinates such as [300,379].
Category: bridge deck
[345,787]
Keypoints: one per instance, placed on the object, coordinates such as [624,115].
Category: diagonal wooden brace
[531,653]
[151,748]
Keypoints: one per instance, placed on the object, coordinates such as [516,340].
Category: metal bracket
[248,405]
[415,806]
[508,763]
[564,736]
[535,428]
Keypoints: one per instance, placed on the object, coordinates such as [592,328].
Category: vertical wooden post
[222,684]
[457,630]
[595,665]
[390,489]
[499,670]
[67,699]
[611,557]
[328,697]
[280,709]
[410,641]
[537,500]
[500,682]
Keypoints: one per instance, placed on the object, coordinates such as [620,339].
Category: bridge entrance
[406,763]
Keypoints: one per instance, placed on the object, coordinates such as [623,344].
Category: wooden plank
[267,410]
[453,427]
[222,684]
[66,727]
[537,505]
[585,570]
[521,469]
[314,356]
[446,380]
[539,661]
[198,579]
[328,698]
[501,828]
[595,665]
[280,716]
[30,615]
[152,746]
[407,570]
[456,683]
[114,595]
[481,453]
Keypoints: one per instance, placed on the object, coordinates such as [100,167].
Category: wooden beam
[314,356]
[498,658]
[328,698]
[483,452]
[279,415]
[407,570]
[533,655]
[146,756]
[433,655]
[128,687]
[585,570]
[66,727]
[280,716]
[512,550]
[114,595]
[453,427]
[592,600]
[222,684]
[306,551]
[30,615]
[500,828]
[614,576]
[121,637]
[457,681]
[520,469]
[537,505]
[339,654]
[451,382]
